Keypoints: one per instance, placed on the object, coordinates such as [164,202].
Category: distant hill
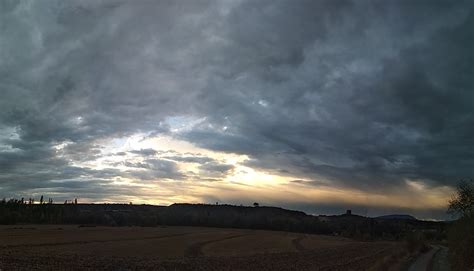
[397,216]
[392,227]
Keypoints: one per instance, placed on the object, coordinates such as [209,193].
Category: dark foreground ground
[40,247]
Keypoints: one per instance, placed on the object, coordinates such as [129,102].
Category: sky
[311,105]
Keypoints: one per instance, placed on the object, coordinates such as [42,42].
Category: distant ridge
[397,216]
[390,227]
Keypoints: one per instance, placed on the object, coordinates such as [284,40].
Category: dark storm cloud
[67,76]
[378,98]
[81,151]
[145,152]
[215,169]
[155,168]
[359,93]
[197,159]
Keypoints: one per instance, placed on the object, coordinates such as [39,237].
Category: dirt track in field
[297,243]
[195,250]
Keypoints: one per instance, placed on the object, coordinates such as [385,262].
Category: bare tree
[461,234]
[462,202]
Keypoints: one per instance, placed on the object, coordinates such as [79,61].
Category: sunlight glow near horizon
[242,181]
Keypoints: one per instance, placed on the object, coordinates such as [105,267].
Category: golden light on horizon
[242,181]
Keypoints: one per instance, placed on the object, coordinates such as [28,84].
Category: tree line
[31,201]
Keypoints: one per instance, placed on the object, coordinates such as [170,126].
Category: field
[57,247]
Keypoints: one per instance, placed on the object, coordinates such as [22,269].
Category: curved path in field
[435,259]
[195,250]
[297,243]
[439,261]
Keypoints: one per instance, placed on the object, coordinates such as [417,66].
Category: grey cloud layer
[361,93]
[385,92]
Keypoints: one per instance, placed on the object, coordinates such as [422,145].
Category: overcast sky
[314,105]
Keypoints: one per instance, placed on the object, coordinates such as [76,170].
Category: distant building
[348,212]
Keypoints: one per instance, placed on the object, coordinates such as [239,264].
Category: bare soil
[39,247]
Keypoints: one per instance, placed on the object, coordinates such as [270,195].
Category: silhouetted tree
[255,204]
[461,234]
[462,203]
[41,199]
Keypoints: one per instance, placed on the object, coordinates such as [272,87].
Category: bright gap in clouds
[203,175]
[164,169]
